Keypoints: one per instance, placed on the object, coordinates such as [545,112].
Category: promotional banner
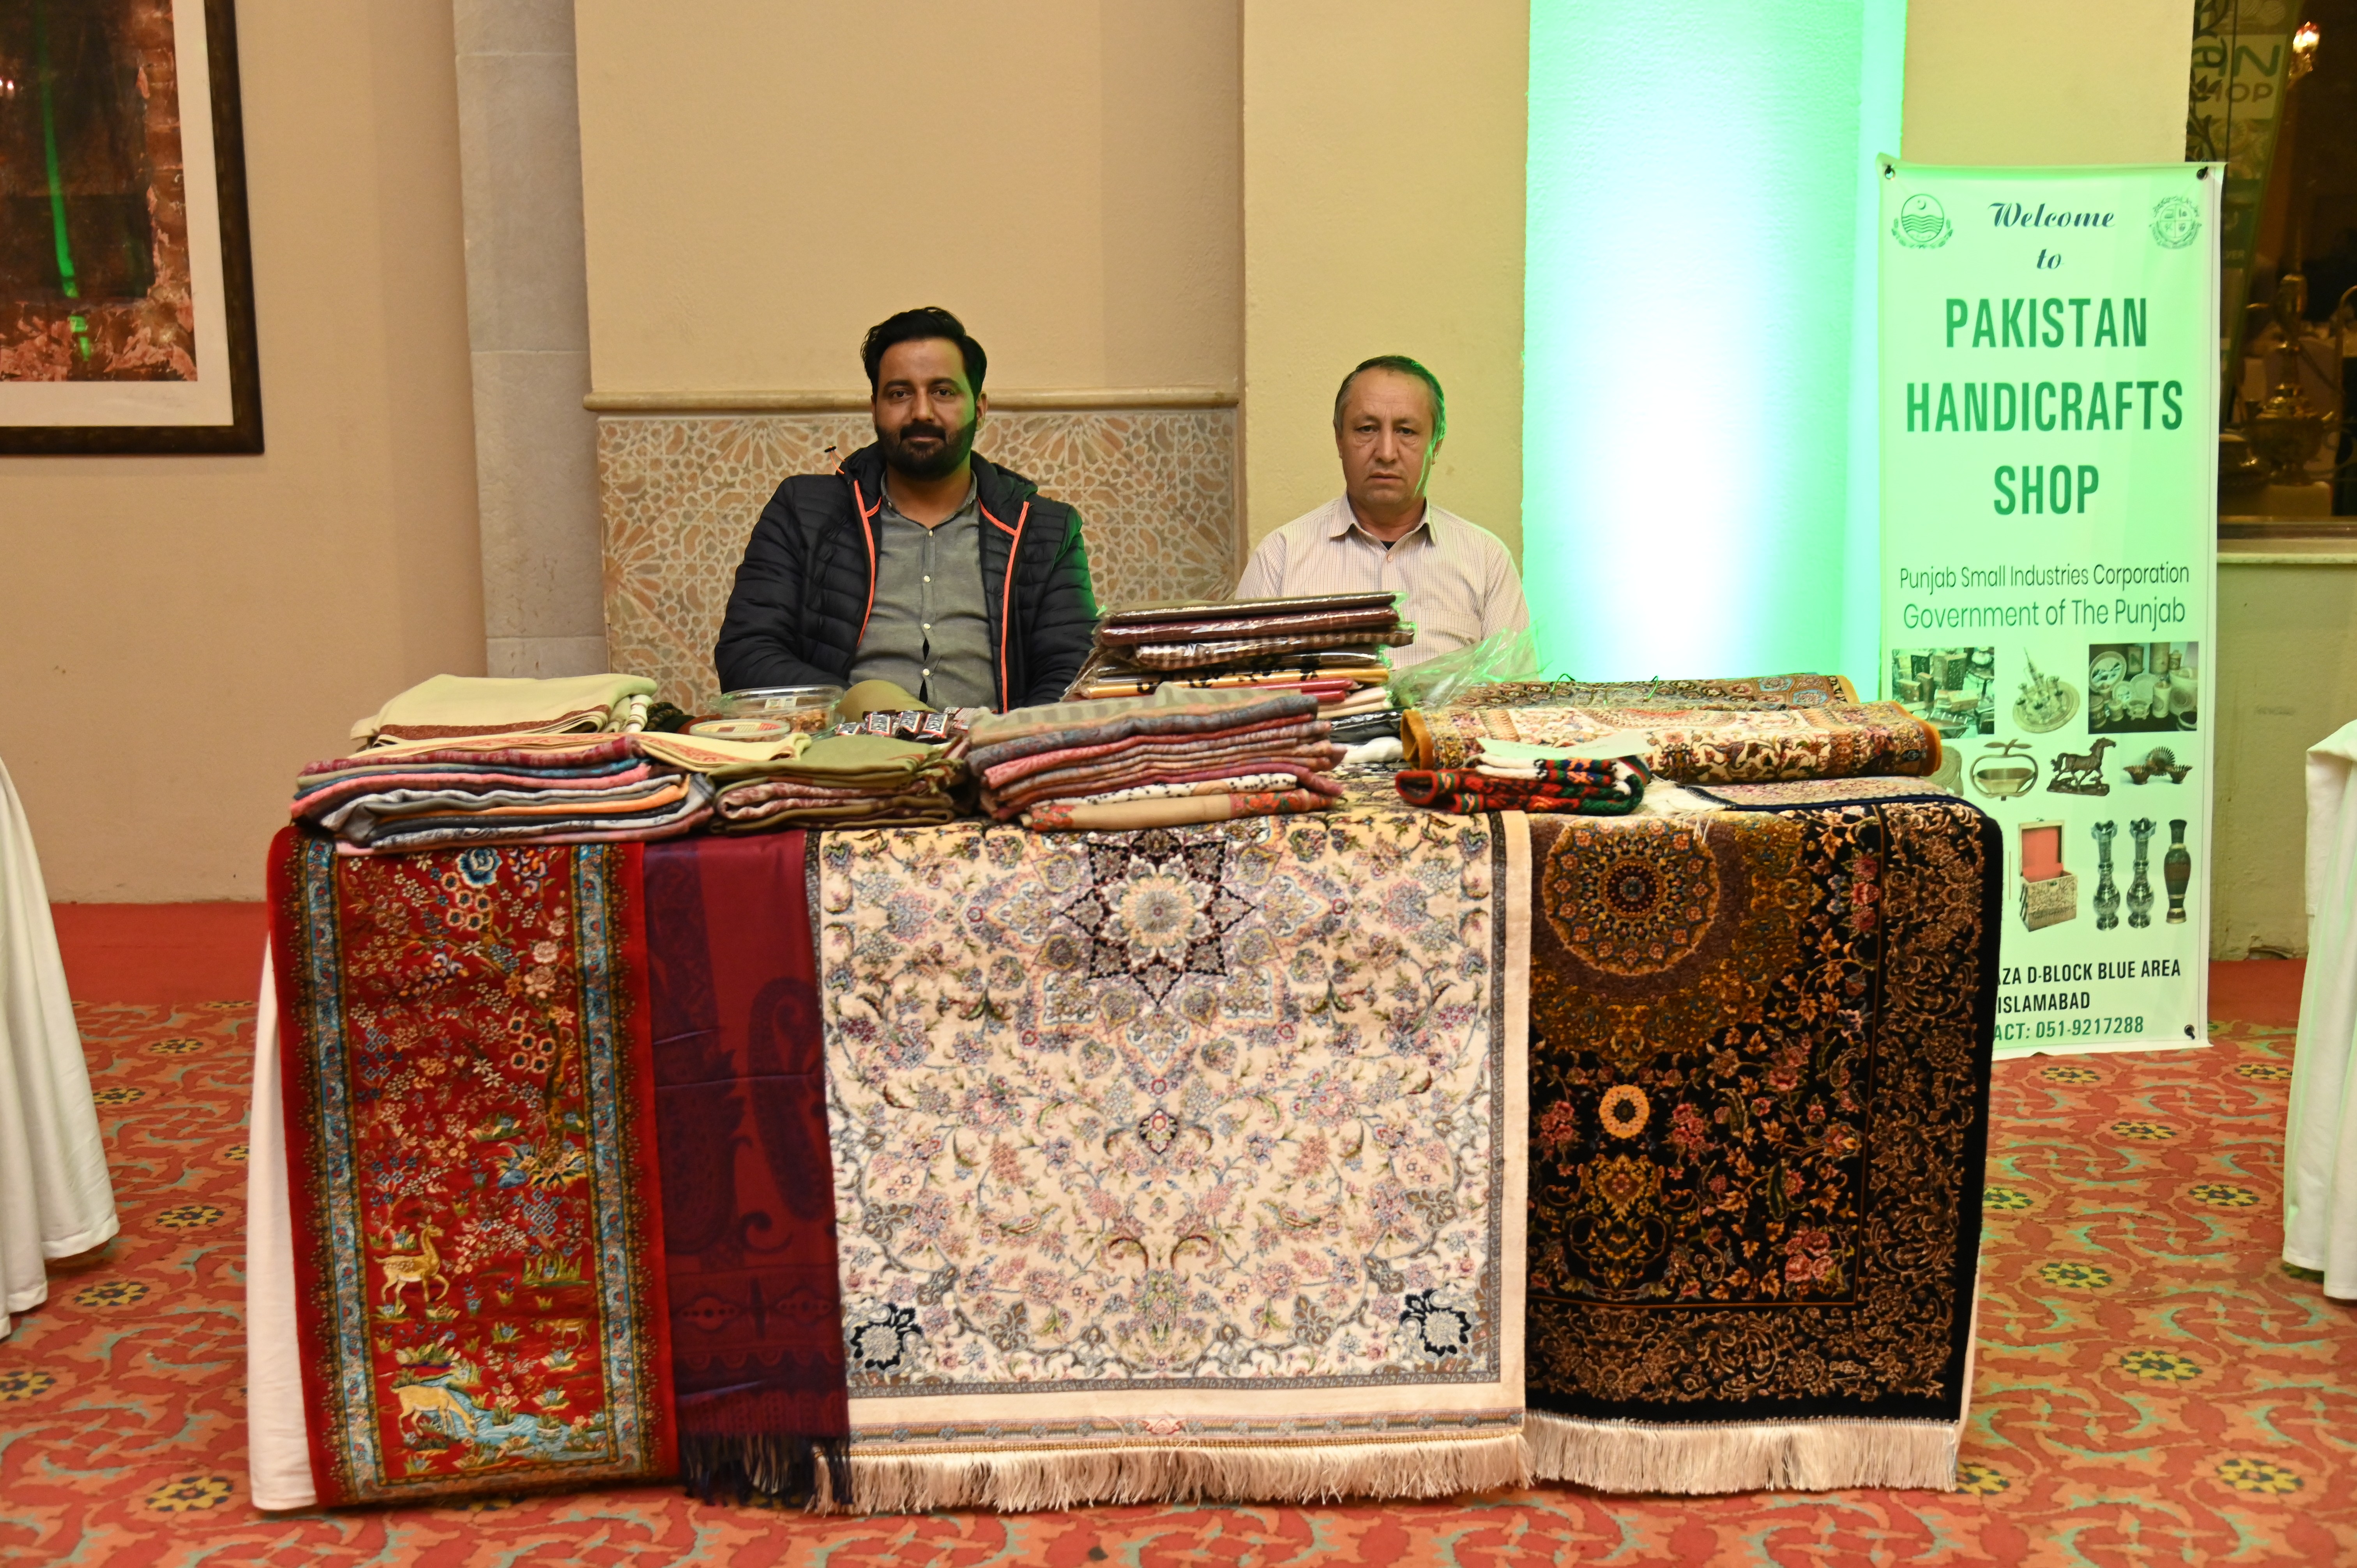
[2049,438]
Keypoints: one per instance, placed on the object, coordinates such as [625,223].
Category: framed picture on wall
[127,275]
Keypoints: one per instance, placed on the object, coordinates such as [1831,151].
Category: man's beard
[936,463]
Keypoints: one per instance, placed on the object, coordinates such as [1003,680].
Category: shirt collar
[971,503]
[1344,520]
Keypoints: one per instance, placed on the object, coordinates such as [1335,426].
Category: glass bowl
[806,708]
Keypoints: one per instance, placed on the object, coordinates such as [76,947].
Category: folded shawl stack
[836,781]
[1330,647]
[461,707]
[508,788]
[1181,755]
[594,788]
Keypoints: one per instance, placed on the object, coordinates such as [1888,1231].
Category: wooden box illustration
[2049,894]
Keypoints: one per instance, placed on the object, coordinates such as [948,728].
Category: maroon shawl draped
[748,1186]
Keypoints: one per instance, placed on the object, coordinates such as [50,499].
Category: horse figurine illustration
[2080,773]
[422,1268]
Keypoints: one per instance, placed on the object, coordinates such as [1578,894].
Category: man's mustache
[918,432]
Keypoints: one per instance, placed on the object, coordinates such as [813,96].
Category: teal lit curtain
[1698,453]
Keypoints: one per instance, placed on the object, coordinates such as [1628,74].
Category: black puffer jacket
[808,583]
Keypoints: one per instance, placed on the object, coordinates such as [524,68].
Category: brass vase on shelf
[2176,870]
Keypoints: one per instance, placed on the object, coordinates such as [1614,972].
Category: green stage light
[1699,447]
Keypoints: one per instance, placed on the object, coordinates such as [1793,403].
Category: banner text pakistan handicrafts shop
[2049,524]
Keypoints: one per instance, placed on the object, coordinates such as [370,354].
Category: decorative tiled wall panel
[681,492]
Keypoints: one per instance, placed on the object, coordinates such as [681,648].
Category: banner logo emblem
[2175,222]
[1922,224]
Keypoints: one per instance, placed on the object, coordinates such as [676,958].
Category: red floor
[161,952]
[2258,991]
[2152,1386]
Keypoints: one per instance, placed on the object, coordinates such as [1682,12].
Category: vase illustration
[2140,889]
[2107,897]
[2176,870]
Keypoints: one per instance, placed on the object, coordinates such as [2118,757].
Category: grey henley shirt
[930,631]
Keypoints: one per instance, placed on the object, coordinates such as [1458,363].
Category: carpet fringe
[1025,1481]
[773,1467]
[1801,1455]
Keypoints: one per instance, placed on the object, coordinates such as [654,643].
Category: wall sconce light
[2304,41]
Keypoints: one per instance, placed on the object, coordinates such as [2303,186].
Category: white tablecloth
[278,1452]
[2320,1133]
[55,1197]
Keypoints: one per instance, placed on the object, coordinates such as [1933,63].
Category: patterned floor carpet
[2152,1386]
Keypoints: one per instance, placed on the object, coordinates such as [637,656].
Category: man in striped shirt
[1459,584]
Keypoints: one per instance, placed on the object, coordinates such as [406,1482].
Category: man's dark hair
[928,321]
[1400,364]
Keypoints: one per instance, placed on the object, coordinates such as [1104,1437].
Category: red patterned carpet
[2152,1386]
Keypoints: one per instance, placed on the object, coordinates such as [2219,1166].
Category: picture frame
[126,270]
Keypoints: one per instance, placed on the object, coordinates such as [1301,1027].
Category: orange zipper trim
[1006,602]
[868,538]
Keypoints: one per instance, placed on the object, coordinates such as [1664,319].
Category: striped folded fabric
[582,789]
[1274,643]
[1177,757]
[1118,633]
[1232,651]
[453,792]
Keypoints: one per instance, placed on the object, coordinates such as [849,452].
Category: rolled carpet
[1609,788]
[1696,744]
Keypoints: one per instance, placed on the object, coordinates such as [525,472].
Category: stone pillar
[528,327]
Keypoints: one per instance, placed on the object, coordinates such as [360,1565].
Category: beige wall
[2047,81]
[766,179]
[179,634]
[2286,678]
[1383,151]
[1243,193]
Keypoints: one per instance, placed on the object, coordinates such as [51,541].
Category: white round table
[55,1197]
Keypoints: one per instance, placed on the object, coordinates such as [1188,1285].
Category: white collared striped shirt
[1459,583]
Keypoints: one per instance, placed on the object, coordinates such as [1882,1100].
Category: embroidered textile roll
[1695,745]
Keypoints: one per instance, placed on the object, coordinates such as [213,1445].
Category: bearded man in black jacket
[915,562]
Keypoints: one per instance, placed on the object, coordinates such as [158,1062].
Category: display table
[2320,1130]
[1172,1163]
